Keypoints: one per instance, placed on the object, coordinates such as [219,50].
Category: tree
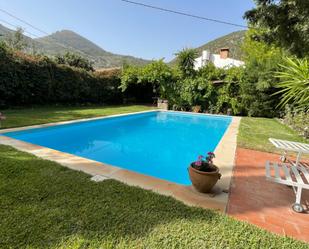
[158,74]
[186,59]
[258,83]
[294,83]
[16,40]
[284,23]
[74,60]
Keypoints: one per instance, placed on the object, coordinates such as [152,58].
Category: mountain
[66,40]
[63,41]
[4,31]
[232,41]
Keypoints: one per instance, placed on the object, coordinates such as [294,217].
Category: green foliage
[229,97]
[298,120]
[130,75]
[240,91]
[27,80]
[185,61]
[258,82]
[157,74]
[284,23]
[74,60]
[294,83]
[199,90]
[192,91]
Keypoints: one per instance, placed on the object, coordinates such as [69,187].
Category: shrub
[27,80]
[74,60]
[298,120]
[156,76]
[259,81]
[229,98]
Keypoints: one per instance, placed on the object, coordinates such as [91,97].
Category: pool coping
[225,159]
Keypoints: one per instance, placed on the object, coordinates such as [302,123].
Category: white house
[221,60]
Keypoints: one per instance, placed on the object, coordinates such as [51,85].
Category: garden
[46,205]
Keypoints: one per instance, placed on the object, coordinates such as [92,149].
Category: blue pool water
[159,144]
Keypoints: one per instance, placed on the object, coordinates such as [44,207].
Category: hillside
[4,31]
[232,41]
[63,41]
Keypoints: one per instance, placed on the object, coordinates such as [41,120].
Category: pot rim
[203,172]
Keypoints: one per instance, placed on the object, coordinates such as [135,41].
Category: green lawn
[254,133]
[41,115]
[45,205]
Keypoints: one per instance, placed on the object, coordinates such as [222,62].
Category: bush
[238,90]
[298,120]
[258,82]
[27,80]
[153,80]
[74,60]
[229,97]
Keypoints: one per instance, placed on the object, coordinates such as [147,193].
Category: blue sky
[122,28]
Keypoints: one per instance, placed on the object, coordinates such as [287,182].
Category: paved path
[263,203]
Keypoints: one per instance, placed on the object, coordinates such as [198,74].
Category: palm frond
[294,83]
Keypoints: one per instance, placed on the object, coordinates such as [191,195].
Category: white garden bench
[297,177]
[299,148]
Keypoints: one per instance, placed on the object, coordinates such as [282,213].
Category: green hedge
[30,80]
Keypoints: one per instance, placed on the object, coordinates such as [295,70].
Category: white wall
[217,61]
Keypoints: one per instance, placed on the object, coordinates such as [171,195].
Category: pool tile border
[225,158]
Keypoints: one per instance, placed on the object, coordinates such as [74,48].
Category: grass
[45,205]
[254,133]
[41,115]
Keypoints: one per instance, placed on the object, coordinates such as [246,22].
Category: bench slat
[277,173]
[289,145]
[297,175]
[286,173]
[268,169]
[305,173]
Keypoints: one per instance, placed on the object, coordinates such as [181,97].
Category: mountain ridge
[233,41]
[64,41]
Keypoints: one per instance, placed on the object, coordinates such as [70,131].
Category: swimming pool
[160,143]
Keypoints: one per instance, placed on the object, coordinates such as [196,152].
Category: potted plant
[203,173]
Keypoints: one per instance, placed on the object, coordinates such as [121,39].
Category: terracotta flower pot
[197,108]
[204,181]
